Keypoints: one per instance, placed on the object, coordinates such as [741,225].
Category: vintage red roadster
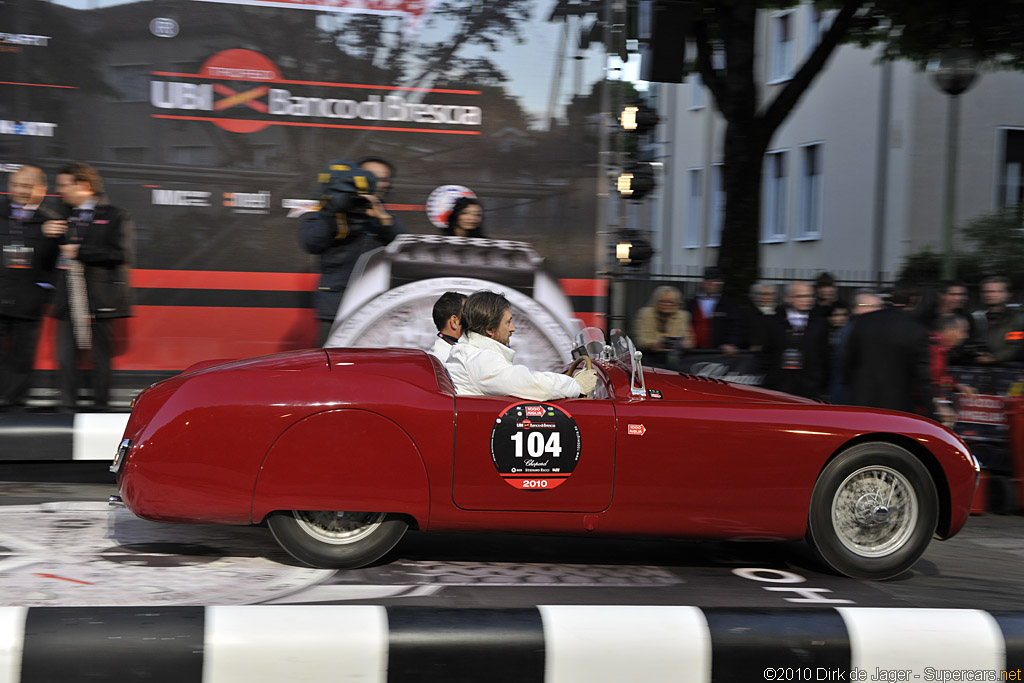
[339,451]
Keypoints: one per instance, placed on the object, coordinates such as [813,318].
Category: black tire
[873,511]
[336,540]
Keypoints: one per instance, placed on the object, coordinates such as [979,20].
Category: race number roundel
[535,446]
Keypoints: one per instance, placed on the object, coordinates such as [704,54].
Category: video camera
[343,186]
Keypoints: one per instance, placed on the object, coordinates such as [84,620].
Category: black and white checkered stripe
[553,644]
[60,436]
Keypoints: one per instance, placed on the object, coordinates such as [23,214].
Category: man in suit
[97,252]
[716,322]
[794,352]
[26,281]
[886,359]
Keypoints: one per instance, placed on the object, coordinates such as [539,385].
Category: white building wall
[841,111]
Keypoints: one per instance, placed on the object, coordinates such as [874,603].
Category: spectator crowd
[890,349]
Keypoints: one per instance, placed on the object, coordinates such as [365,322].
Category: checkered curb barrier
[60,436]
[553,644]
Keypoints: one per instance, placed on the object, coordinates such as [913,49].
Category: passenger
[447,316]
[481,363]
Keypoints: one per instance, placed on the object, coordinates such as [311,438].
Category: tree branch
[787,99]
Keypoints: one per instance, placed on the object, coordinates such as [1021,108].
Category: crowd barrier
[550,644]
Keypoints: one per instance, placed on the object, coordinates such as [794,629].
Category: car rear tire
[336,540]
[873,511]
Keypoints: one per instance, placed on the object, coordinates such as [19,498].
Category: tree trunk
[739,255]
[729,30]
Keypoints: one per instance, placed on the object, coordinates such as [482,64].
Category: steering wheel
[576,364]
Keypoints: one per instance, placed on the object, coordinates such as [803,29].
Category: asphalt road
[61,544]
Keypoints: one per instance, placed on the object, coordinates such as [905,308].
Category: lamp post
[954,72]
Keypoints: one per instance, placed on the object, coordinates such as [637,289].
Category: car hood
[685,387]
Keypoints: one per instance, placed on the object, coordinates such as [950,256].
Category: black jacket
[811,345]
[107,252]
[25,291]
[339,245]
[887,363]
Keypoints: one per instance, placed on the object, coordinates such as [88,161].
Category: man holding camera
[352,220]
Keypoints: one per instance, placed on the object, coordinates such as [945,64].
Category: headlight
[122,453]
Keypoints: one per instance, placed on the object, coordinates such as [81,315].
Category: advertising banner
[210,120]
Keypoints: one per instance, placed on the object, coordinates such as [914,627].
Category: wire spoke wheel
[334,539]
[338,528]
[874,511]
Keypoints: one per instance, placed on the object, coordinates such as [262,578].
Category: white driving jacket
[481,366]
[441,349]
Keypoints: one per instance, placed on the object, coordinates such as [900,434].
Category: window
[696,91]
[693,207]
[816,27]
[781,39]
[774,201]
[717,206]
[809,226]
[1010,190]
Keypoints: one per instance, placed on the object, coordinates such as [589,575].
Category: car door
[541,456]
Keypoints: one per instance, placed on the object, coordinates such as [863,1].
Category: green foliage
[993,29]
[925,267]
[997,242]
[995,247]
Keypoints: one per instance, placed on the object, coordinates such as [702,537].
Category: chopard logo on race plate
[242,90]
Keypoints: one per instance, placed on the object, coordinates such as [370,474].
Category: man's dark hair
[448,305]
[483,311]
[997,279]
[824,279]
[946,285]
[378,160]
[903,293]
[81,171]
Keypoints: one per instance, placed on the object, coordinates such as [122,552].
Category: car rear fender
[347,459]
[927,458]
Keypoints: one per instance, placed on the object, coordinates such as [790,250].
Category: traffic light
[633,249]
[637,178]
[638,118]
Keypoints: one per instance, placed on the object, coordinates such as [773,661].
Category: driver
[481,363]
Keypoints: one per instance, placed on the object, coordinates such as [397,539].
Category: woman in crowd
[662,328]
[466,218]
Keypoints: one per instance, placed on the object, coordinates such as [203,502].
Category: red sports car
[340,451]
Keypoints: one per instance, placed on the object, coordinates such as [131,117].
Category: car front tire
[873,511]
[336,540]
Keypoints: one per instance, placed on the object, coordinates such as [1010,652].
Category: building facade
[854,180]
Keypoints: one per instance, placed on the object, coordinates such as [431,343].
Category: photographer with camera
[351,221]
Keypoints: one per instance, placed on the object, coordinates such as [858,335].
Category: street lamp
[954,72]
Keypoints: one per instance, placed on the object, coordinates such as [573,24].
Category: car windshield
[618,348]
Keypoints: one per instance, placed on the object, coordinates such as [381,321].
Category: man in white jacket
[481,363]
[447,315]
